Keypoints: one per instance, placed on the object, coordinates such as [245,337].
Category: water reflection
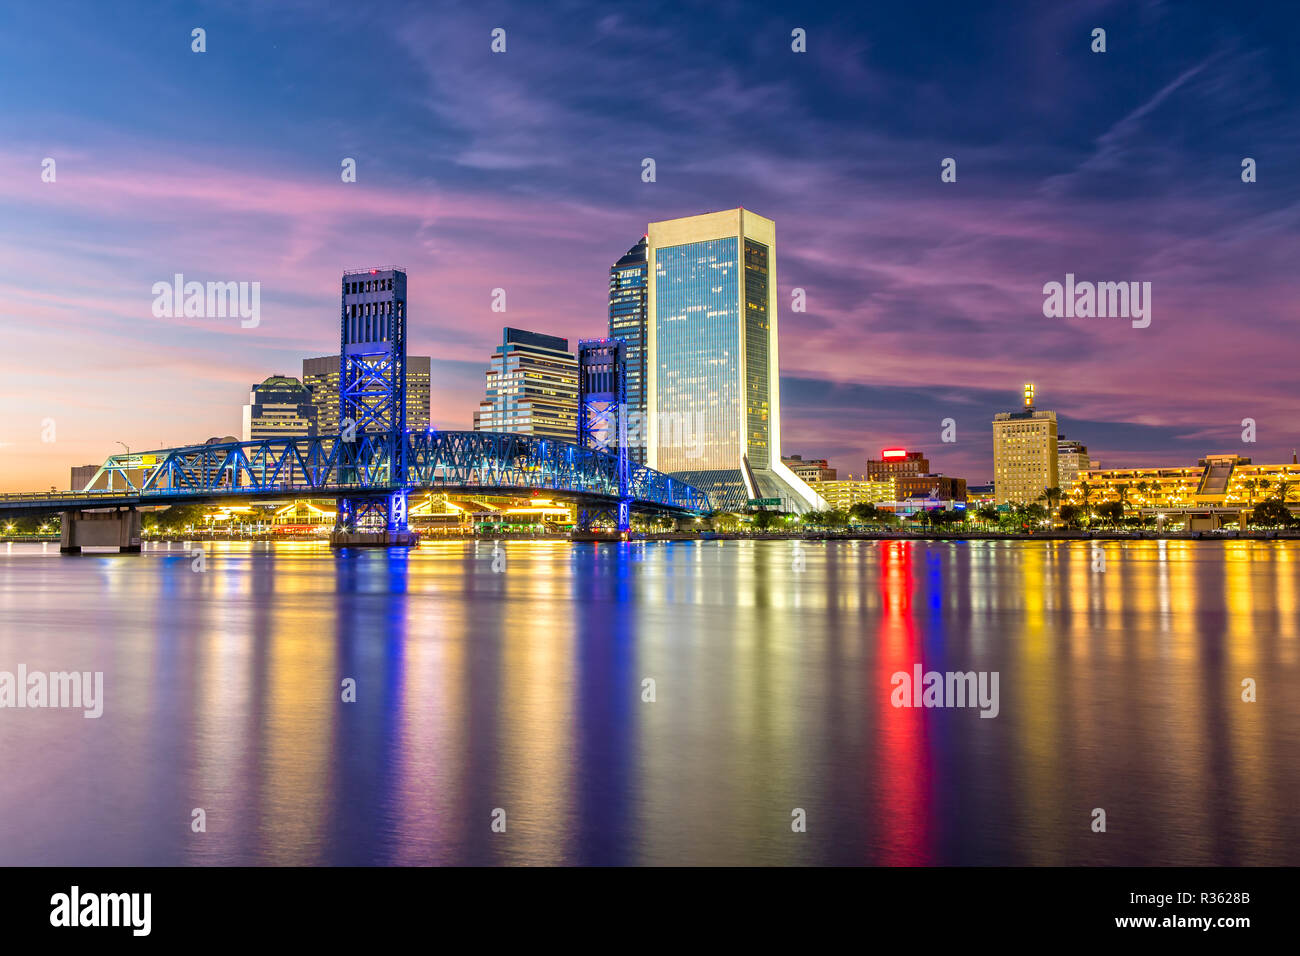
[522,684]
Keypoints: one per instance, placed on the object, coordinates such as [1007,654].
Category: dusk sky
[522,170]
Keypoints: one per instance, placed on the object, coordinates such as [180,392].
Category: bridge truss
[363,469]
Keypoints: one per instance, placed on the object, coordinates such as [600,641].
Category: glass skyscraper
[628,291]
[713,395]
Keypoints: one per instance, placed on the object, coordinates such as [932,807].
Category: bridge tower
[602,412]
[372,403]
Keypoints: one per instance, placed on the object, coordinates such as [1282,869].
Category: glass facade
[697,356]
[758,407]
[628,288]
[713,377]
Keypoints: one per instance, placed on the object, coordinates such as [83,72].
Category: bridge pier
[374,522]
[374,539]
[119,528]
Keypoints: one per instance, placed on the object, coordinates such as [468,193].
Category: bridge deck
[485,463]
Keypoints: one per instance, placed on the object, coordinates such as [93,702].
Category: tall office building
[1071,461]
[713,396]
[280,407]
[628,291]
[532,387]
[1024,453]
[321,375]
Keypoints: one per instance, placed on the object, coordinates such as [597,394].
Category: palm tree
[1145,489]
[714,520]
[1122,492]
[864,511]
[1250,484]
[1112,510]
[1272,514]
[1085,491]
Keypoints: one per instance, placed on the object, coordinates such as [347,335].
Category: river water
[509,684]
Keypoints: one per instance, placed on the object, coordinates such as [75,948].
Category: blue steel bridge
[463,462]
[375,461]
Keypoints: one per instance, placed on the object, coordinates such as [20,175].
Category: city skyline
[456,434]
[924,298]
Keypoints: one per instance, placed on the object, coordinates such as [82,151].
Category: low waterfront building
[921,503]
[843,493]
[1226,485]
[931,486]
[809,469]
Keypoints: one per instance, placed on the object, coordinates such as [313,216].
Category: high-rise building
[280,407]
[628,291]
[532,387]
[321,375]
[1071,459]
[713,389]
[1024,453]
[897,463]
[810,469]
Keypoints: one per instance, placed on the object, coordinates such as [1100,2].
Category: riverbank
[845,535]
[969,536]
